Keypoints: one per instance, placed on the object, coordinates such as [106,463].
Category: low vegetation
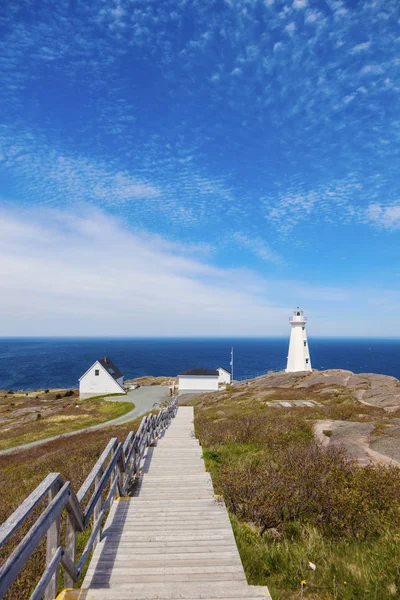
[147,380]
[309,521]
[21,472]
[35,416]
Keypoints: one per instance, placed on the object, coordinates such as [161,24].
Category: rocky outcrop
[382,391]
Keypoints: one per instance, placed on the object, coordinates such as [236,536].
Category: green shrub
[215,456]
[314,485]
[267,430]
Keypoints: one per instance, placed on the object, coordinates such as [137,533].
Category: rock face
[382,391]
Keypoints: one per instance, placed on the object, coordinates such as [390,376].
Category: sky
[199,167]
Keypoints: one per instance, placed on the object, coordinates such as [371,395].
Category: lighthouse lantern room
[299,355]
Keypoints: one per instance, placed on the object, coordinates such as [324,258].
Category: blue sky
[199,167]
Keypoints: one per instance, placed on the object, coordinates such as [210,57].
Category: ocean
[34,363]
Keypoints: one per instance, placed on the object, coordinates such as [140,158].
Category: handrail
[114,470]
[87,484]
[24,510]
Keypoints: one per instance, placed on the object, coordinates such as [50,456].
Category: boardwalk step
[165,591]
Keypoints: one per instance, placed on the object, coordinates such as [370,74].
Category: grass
[21,472]
[293,502]
[57,417]
[105,396]
[345,569]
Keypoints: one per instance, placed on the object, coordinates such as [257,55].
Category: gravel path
[143,399]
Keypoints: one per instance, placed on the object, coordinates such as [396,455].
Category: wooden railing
[111,475]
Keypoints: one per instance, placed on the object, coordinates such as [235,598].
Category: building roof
[226,370]
[201,371]
[110,367]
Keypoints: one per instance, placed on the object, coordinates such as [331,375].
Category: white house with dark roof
[198,380]
[102,378]
[224,376]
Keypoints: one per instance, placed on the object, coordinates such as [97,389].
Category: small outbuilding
[102,378]
[198,380]
[224,376]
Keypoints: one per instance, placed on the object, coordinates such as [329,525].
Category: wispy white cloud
[336,202]
[300,4]
[387,217]
[290,28]
[258,247]
[361,47]
[82,272]
[372,69]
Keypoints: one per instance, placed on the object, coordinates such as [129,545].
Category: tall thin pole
[231,363]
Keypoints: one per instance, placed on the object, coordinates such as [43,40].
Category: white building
[299,355]
[198,380]
[224,376]
[102,378]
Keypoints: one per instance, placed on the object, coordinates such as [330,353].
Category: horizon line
[192,337]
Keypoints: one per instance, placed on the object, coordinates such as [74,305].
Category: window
[298,314]
[97,372]
[307,361]
[305,343]
[303,328]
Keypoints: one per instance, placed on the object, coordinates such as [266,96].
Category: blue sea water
[33,363]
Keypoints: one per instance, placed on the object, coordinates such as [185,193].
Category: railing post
[70,548]
[52,543]
[97,508]
[136,455]
[116,472]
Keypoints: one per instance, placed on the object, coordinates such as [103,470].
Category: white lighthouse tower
[299,355]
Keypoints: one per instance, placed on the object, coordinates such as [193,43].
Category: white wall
[298,350]
[95,385]
[206,383]
[223,376]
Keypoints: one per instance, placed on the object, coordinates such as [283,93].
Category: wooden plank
[75,511]
[96,527]
[90,479]
[24,510]
[128,443]
[105,580]
[70,568]
[103,482]
[44,581]
[52,546]
[10,569]
[70,551]
[97,508]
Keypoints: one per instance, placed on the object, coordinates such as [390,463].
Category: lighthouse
[299,355]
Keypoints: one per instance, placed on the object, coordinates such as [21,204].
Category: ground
[150,380]
[22,471]
[308,467]
[28,418]
[265,423]
[358,412]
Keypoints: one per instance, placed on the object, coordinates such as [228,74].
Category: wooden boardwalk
[173,538]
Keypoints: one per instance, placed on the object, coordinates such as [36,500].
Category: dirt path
[355,437]
[143,400]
